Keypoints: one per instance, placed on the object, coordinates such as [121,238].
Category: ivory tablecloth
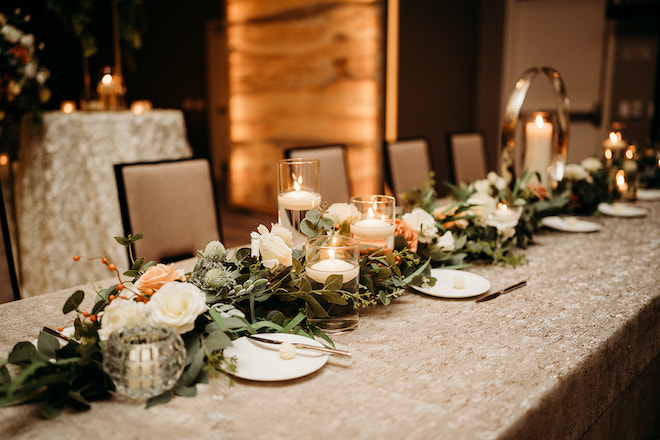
[572,355]
[66,194]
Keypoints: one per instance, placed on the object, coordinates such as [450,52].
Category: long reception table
[66,193]
[573,355]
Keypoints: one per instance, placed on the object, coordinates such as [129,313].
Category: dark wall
[449,72]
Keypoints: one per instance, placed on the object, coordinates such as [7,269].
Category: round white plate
[261,361]
[570,224]
[621,210]
[473,285]
[648,194]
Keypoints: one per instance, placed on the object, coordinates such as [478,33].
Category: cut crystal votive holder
[144,362]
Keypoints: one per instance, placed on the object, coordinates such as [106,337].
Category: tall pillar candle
[538,147]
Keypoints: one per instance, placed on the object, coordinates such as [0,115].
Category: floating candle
[320,271]
[614,141]
[299,200]
[372,229]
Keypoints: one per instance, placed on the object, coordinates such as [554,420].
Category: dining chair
[407,163]
[173,203]
[467,156]
[9,288]
[334,184]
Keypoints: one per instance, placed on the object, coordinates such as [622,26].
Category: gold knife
[301,345]
[499,292]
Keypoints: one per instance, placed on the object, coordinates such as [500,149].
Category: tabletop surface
[543,361]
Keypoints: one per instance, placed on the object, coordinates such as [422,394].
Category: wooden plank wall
[303,72]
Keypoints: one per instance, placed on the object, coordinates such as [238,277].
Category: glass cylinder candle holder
[333,255]
[373,222]
[298,192]
[144,362]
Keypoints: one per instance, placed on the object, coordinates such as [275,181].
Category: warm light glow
[502,206]
[106,79]
[4,159]
[608,154]
[370,213]
[539,121]
[629,153]
[615,136]
[621,180]
[142,106]
[297,183]
[68,106]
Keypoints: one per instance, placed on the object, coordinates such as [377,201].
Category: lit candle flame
[370,213]
[502,206]
[629,154]
[297,182]
[615,137]
[539,121]
[621,180]
[106,79]
[608,154]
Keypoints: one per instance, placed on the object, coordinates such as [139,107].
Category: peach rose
[157,276]
[403,228]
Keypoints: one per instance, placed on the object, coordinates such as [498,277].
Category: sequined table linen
[66,195]
[574,355]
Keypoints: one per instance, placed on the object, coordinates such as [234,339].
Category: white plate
[570,224]
[621,210]
[473,285]
[261,361]
[648,194]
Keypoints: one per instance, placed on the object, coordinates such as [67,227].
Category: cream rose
[422,222]
[446,242]
[575,171]
[341,212]
[273,247]
[177,305]
[121,313]
[592,164]
[157,276]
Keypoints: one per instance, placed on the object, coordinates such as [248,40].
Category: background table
[574,355]
[66,195]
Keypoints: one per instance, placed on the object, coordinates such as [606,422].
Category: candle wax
[321,270]
[372,229]
[538,150]
[299,200]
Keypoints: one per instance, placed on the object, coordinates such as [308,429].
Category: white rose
[341,212]
[575,171]
[591,164]
[422,222]
[30,70]
[27,41]
[482,186]
[446,242]
[492,177]
[272,246]
[11,33]
[177,305]
[121,313]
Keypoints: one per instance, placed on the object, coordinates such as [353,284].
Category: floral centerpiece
[263,288]
[22,77]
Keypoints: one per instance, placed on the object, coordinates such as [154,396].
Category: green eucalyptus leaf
[137,265]
[294,322]
[184,390]
[217,341]
[313,215]
[333,282]
[305,285]
[48,344]
[123,241]
[73,301]
[137,237]
[149,264]
[307,228]
[162,398]
[275,316]
[49,409]
[333,297]
[315,309]
[131,273]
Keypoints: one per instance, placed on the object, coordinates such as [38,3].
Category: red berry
[85,314]
[111,298]
[76,258]
[92,318]
[104,260]
[112,267]
[120,287]
[60,329]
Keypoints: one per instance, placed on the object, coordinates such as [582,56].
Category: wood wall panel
[302,72]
